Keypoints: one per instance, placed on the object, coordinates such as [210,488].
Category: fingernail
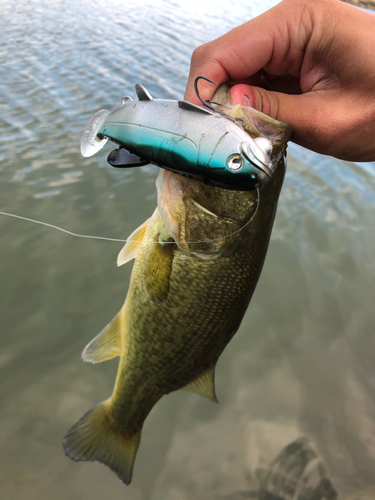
[246,100]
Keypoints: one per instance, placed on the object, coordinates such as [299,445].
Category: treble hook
[208,105]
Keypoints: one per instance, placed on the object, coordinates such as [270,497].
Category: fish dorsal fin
[133,244]
[106,345]
[204,385]
[142,93]
[158,270]
[194,107]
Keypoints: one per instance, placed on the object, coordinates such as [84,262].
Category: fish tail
[92,438]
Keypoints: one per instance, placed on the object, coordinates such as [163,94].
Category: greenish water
[302,363]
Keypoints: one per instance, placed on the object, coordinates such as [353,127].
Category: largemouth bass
[197,262]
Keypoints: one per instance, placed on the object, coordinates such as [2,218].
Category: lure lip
[91,142]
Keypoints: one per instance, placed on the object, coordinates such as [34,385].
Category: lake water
[302,363]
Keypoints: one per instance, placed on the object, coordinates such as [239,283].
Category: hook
[208,105]
[243,124]
[205,103]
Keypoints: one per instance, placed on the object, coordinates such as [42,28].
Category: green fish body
[197,263]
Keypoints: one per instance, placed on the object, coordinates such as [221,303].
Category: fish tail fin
[92,438]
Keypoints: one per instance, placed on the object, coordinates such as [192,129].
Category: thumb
[274,104]
[304,112]
[336,122]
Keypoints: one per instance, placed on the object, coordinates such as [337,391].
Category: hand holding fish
[306,63]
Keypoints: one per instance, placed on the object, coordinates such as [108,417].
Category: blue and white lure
[199,142]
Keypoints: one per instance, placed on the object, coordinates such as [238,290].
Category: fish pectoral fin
[132,245]
[158,270]
[106,345]
[204,385]
[92,438]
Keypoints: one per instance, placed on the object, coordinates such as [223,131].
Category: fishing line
[61,229]
[234,232]
[125,241]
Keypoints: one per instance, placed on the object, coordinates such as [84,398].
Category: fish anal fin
[106,345]
[132,245]
[204,385]
[92,438]
[158,270]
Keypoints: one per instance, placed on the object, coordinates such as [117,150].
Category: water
[302,361]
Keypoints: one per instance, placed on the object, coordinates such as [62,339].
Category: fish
[198,259]
[200,142]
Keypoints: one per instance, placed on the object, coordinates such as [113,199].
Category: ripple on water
[47,194]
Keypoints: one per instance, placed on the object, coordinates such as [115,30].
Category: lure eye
[235,163]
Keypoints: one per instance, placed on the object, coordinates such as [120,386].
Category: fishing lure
[198,142]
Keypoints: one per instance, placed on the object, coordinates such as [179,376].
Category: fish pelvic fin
[204,385]
[92,439]
[106,345]
[133,245]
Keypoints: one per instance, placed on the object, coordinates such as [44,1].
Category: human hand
[307,63]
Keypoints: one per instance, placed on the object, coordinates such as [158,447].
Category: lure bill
[199,142]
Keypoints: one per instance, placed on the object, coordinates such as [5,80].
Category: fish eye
[235,163]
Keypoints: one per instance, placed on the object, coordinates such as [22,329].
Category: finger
[293,109]
[285,83]
[238,54]
[317,118]
[246,95]
[216,60]
[267,41]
